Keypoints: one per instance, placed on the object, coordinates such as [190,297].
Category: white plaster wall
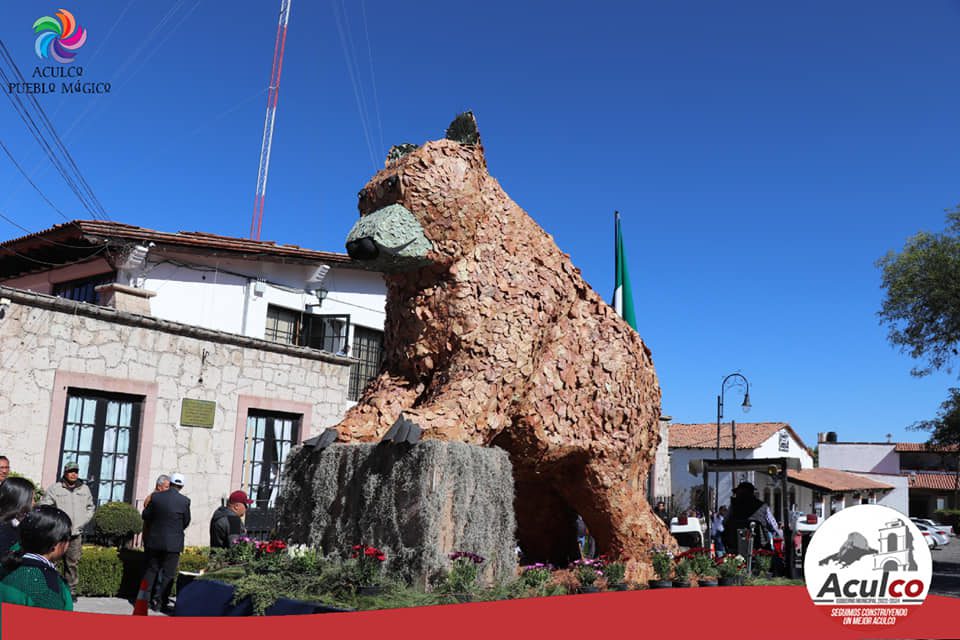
[876,458]
[222,295]
[770,448]
[899,498]
[681,481]
[203,298]
[37,343]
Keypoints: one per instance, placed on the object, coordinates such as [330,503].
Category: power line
[32,183]
[95,206]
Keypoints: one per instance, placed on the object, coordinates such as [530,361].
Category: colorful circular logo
[58,37]
[868,563]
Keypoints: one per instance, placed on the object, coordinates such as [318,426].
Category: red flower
[357,547]
[370,551]
[381,557]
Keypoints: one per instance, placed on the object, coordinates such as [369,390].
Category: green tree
[922,311]
[922,304]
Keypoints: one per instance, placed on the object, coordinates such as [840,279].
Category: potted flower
[369,569]
[762,560]
[587,571]
[662,560]
[461,582]
[536,576]
[681,574]
[706,571]
[615,572]
[731,569]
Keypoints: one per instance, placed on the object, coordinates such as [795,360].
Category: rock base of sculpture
[419,504]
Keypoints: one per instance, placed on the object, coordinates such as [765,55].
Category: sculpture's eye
[387,191]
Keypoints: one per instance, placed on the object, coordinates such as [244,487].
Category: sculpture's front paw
[324,440]
[403,430]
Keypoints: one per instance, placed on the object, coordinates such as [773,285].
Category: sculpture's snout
[363,249]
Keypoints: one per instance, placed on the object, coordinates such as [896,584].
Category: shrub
[662,560]
[536,576]
[117,522]
[194,559]
[100,571]
[464,572]
[37,490]
[615,572]
[681,572]
[587,571]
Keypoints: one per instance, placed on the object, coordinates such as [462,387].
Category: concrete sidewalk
[114,606]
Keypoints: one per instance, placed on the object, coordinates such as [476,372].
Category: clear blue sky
[763,156]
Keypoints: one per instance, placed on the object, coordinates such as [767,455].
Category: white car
[688,531]
[938,538]
[945,529]
[931,543]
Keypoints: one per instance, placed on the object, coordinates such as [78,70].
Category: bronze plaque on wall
[197,413]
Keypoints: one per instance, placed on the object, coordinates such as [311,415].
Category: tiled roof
[946,481]
[79,239]
[921,447]
[750,435]
[834,480]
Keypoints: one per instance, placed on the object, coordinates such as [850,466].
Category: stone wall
[418,503]
[49,345]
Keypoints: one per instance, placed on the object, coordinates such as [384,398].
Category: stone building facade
[132,396]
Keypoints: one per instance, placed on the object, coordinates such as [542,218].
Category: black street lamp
[746,407]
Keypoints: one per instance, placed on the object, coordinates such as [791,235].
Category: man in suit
[166,518]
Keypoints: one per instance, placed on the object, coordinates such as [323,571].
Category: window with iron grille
[368,349]
[328,333]
[84,289]
[283,325]
[100,433]
[268,439]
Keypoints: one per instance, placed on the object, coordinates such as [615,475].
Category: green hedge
[100,572]
[106,572]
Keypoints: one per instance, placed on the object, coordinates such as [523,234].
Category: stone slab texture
[492,337]
[417,503]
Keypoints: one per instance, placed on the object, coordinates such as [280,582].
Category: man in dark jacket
[167,515]
[745,508]
[226,524]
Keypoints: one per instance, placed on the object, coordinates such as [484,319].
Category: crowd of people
[34,538]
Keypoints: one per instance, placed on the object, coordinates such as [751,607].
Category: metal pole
[716,475]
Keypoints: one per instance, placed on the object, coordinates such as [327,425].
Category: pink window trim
[62,381]
[244,404]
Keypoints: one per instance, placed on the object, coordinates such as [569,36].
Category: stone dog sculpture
[493,338]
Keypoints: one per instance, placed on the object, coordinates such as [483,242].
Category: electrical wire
[373,76]
[88,190]
[32,183]
[82,193]
[53,264]
[353,81]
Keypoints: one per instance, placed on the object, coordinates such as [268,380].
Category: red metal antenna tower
[256,222]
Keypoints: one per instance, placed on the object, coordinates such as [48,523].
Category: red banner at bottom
[742,612]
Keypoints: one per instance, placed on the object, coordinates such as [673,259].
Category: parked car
[931,543]
[938,538]
[945,529]
[688,531]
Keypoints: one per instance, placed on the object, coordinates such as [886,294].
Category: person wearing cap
[745,508]
[165,518]
[73,497]
[226,525]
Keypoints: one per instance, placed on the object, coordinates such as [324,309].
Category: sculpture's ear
[397,151]
[463,129]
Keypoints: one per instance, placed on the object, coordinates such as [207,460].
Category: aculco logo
[868,554]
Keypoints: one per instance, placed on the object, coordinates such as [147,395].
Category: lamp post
[745,406]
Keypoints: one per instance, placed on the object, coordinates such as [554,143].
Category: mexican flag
[622,295]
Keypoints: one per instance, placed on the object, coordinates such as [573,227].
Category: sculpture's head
[423,207]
